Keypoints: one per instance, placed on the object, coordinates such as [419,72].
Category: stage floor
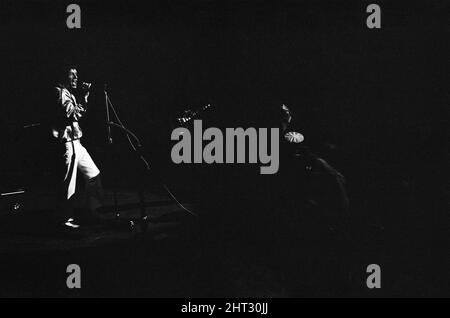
[178,255]
[119,257]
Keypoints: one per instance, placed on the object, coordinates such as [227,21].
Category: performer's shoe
[68,229]
[70,223]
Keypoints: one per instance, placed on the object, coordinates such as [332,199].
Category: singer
[73,157]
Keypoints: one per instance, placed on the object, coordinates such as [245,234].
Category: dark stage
[369,183]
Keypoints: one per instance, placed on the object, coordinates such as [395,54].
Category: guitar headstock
[189,115]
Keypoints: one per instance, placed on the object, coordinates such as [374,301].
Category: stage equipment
[136,147]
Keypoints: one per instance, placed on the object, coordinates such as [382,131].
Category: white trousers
[77,159]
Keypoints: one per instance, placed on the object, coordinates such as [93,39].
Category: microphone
[86,86]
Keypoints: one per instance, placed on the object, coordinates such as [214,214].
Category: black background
[378,94]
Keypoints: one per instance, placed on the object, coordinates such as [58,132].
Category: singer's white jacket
[65,125]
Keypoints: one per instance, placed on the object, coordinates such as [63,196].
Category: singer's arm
[85,98]
[83,106]
[84,102]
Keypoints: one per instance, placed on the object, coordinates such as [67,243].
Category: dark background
[374,103]
[378,94]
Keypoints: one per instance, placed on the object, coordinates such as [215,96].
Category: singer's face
[72,78]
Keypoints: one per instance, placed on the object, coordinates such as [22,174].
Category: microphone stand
[107,103]
[110,143]
[136,148]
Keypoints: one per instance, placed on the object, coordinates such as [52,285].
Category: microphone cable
[128,133]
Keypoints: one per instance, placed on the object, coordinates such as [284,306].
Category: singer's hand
[86,95]
[85,88]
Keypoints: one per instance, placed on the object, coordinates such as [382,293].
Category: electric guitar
[189,115]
